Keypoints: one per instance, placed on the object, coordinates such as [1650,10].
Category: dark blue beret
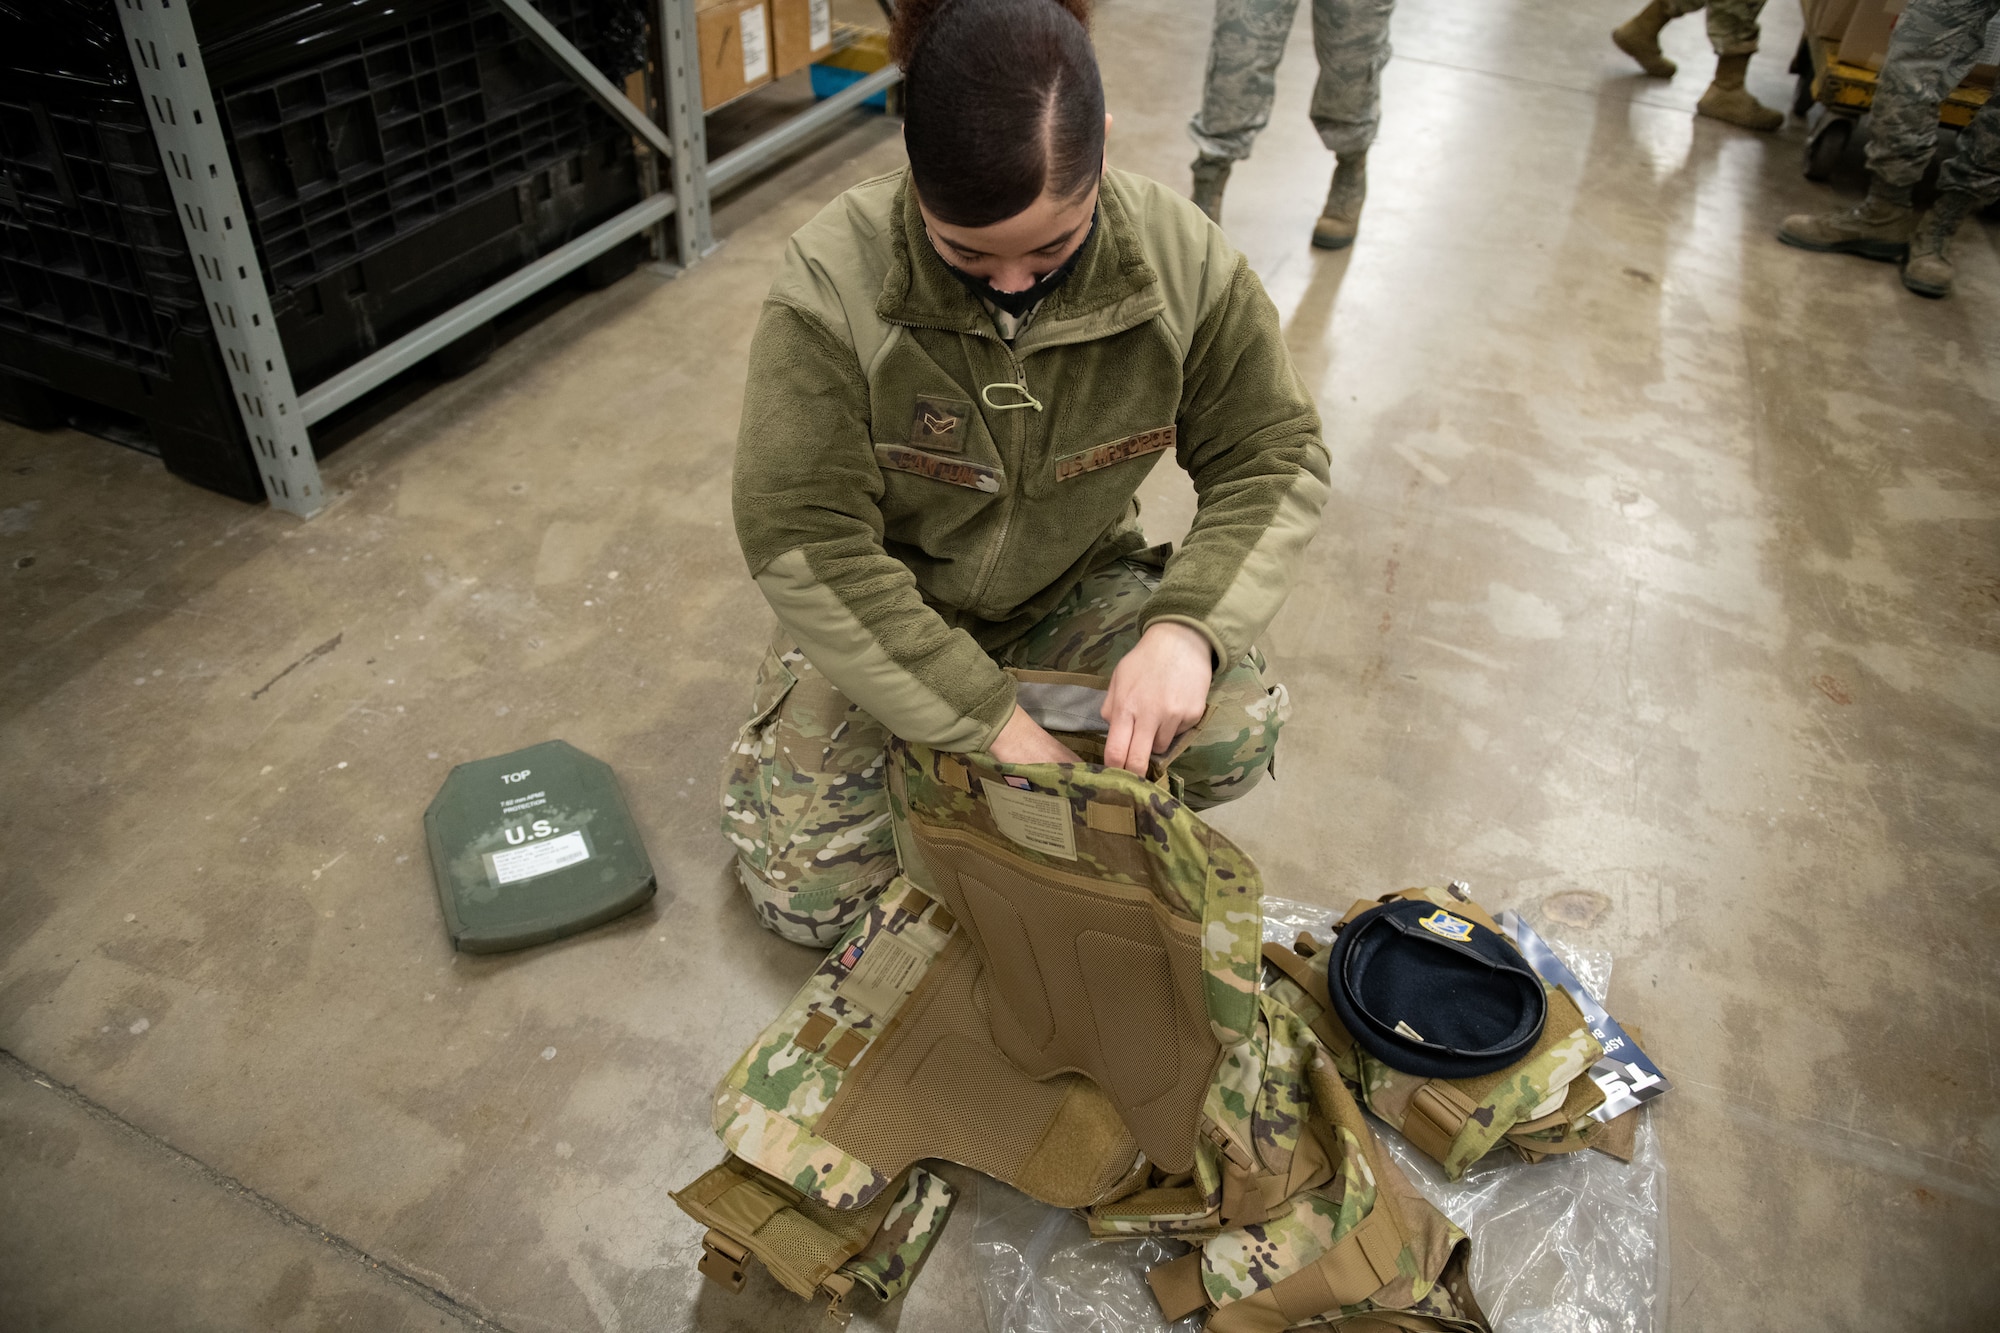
[1430,992]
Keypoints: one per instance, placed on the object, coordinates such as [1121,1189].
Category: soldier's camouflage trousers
[1351,39]
[1935,43]
[1732,24]
[803,790]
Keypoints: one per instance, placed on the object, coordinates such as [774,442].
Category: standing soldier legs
[1351,41]
[1969,182]
[1732,33]
[1236,94]
[1935,44]
[1639,37]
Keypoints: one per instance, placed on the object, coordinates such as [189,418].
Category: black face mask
[1020,303]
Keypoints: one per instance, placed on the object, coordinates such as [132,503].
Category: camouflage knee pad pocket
[813,916]
[1237,743]
[803,803]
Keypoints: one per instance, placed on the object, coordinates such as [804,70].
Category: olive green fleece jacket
[912,494]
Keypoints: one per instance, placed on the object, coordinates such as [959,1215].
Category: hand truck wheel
[1827,146]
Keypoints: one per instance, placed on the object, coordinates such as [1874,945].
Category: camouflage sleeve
[806,495]
[1250,440]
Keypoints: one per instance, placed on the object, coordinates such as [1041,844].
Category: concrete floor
[1659,597]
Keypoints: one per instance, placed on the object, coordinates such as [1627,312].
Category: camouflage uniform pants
[1934,44]
[803,792]
[1351,39]
[1732,24]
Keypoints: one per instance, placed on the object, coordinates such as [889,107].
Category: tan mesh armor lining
[934,1085]
[1089,977]
[1063,1029]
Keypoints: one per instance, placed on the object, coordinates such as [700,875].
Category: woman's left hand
[1158,690]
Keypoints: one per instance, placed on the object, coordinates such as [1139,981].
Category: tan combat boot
[1927,271]
[1728,100]
[1341,217]
[1877,228]
[1210,175]
[1639,37]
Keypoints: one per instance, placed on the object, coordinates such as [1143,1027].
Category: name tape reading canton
[954,471]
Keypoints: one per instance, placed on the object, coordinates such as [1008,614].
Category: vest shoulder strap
[1300,971]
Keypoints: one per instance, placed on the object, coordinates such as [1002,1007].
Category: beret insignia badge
[1446,926]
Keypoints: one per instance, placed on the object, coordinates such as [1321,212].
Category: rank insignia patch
[936,423]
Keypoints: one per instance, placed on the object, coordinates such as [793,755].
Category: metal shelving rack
[180,105]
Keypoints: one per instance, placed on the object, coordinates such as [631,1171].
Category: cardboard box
[734,38]
[1828,19]
[1866,41]
[801,32]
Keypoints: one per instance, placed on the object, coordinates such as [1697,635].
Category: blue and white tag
[1446,926]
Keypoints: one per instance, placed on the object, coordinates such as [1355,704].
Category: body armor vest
[1068,990]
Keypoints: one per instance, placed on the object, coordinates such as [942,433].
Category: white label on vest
[883,976]
[537,858]
[1033,819]
[822,23]
[756,51]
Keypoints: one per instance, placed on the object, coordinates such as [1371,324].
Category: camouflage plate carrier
[1538,1106]
[1066,989]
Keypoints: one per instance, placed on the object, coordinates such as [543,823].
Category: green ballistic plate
[532,846]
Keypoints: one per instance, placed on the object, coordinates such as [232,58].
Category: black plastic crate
[396,156]
[183,411]
[92,257]
[102,322]
[326,324]
[377,137]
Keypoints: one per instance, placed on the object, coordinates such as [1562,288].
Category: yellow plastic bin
[864,52]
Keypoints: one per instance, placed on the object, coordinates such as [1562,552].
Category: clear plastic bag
[1044,1273]
[1575,1244]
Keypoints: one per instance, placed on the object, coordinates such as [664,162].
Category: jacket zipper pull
[986,397]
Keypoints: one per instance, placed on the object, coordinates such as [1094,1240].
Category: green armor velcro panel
[531,846]
[809,1247]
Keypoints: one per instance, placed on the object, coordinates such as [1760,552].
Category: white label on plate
[756,51]
[537,858]
[822,23]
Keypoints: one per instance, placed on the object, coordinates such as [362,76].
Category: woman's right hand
[1022,741]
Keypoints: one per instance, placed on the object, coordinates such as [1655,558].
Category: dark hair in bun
[1002,103]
